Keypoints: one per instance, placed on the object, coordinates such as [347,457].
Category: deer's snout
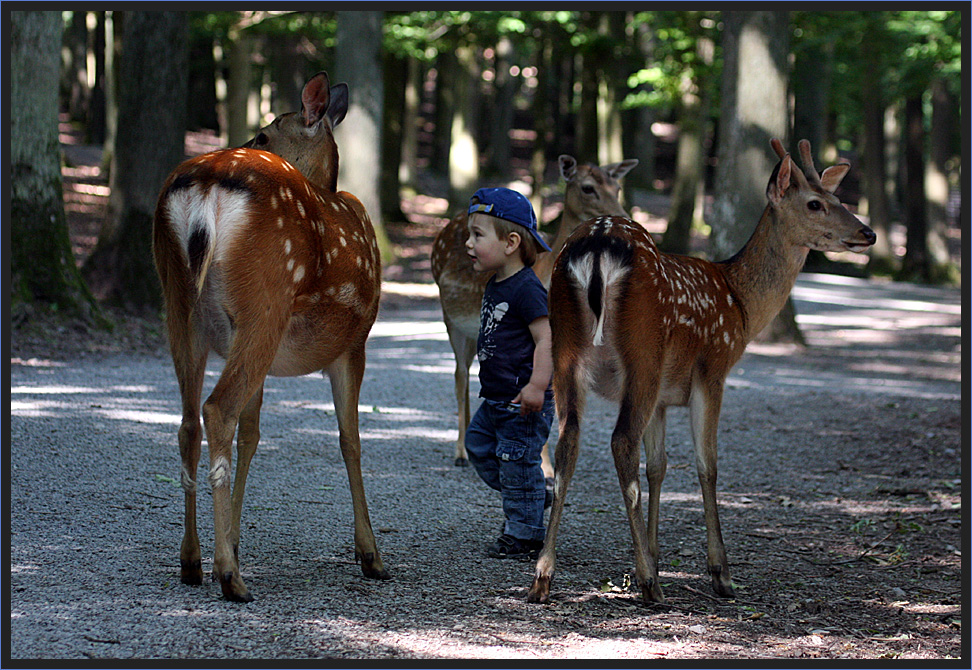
[864,238]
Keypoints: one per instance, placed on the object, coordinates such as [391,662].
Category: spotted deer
[263,261]
[653,330]
[590,191]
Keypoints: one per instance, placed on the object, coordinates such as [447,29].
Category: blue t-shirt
[505,344]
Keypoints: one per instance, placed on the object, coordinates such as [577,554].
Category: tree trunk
[464,151]
[410,120]
[916,264]
[881,257]
[936,174]
[543,104]
[74,74]
[97,120]
[446,77]
[587,114]
[754,110]
[113,29]
[392,133]
[357,56]
[43,273]
[201,111]
[640,141]
[687,205]
[612,83]
[688,174]
[153,87]
[501,119]
[238,127]
[812,75]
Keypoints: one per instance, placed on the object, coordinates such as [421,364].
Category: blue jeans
[505,449]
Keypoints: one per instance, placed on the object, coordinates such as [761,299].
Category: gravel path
[807,441]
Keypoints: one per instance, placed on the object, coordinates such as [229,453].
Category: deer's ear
[618,170]
[830,178]
[568,166]
[778,185]
[338,108]
[314,99]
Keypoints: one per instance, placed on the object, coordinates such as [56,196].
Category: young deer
[263,262]
[653,330]
[590,191]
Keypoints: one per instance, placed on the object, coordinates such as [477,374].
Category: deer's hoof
[192,573]
[539,591]
[234,589]
[721,583]
[462,462]
[371,565]
[651,592]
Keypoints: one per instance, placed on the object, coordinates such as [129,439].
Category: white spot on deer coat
[298,273]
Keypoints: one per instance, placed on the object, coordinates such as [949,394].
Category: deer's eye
[814,206]
[587,188]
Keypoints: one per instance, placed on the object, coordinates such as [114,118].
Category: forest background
[443,102]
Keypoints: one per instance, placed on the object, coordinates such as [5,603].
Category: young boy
[507,433]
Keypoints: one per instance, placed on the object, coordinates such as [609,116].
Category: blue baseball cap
[509,205]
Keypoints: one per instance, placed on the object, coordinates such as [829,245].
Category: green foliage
[904,49]
[677,58]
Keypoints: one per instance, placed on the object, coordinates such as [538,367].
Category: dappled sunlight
[54,390]
[136,416]
[412,328]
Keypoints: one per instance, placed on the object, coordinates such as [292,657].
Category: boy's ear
[513,241]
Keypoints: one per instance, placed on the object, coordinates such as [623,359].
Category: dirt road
[840,488]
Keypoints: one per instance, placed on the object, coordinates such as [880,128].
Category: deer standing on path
[262,261]
[652,330]
[591,191]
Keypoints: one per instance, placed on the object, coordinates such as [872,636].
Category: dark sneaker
[548,492]
[508,546]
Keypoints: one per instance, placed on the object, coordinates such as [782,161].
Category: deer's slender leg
[189,358]
[705,404]
[636,407]
[656,463]
[570,390]
[346,374]
[248,436]
[254,346]
[464,349]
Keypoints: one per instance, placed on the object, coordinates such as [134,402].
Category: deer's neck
[762,274]
[568,224]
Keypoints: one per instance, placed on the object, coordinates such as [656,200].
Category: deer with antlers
[590,191]
[652,330]
[263,261]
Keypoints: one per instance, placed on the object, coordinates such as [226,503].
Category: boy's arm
[531,395]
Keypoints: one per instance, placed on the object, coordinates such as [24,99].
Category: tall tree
[42,268]
[874,164]
[393,134]
[501,108]
[693,95]
[358,62]
[754,110]
[152,87]
[464,149]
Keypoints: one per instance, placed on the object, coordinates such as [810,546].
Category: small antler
[778,147]
[808,169]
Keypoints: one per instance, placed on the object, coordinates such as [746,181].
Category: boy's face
[488,252]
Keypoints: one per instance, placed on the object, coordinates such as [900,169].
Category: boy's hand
[530,398]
